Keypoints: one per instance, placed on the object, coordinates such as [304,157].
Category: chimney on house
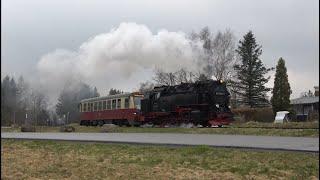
[316,91]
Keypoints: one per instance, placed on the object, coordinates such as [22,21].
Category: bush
[67,129]
[109,128]
[253,114]
[28,128]
[313,116]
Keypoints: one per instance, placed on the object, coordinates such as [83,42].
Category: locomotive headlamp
[217,105]
[221,81]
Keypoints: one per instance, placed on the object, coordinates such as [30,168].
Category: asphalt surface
[235,141]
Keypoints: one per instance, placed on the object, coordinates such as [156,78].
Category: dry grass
[289,125]
[65,160]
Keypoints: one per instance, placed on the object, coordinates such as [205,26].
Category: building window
[109,104]
[114,102]
[119,104]
[126,103]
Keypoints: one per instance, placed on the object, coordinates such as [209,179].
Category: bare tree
[307,94]
[173,78]
[184,76]
[39,105]
[146,86]
[164,78]
[218,56]
[223,55]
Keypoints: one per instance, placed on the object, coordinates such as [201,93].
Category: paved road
[239,141]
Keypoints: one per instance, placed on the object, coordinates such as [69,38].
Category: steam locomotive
[204,103]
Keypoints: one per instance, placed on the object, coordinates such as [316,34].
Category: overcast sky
[286,28]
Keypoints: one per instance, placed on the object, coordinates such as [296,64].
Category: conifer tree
[250,73]
[280,99]
[95,92]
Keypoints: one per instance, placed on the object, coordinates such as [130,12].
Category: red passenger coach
[120,109]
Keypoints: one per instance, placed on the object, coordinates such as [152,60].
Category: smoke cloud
[120,58]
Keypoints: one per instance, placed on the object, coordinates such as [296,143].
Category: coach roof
[106,97]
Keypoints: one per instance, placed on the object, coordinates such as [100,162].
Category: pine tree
[250,72]
[281,90]
[115,91]
[69,99]
[95,92]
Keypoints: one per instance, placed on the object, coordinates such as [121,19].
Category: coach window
[100,106]
[89,107]
[104,105]
[109,104]
[85,107]
[114,102]
[95,106]
[126,103]
[80,107]
[119,104]
[137,102]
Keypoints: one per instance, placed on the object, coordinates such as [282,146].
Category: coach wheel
[94,123]
[100,123]
[219,126]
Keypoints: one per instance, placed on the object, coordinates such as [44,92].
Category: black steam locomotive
[204,103]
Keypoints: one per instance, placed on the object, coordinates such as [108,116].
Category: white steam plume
[121,58]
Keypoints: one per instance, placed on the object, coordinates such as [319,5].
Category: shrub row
[253,114]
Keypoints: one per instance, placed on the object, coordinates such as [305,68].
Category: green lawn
[240,129]
[66,160]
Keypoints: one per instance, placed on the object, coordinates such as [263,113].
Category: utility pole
[14,118]
[65,119]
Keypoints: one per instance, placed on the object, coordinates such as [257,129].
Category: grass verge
[66,160]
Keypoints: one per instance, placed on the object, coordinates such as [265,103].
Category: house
[305,107]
